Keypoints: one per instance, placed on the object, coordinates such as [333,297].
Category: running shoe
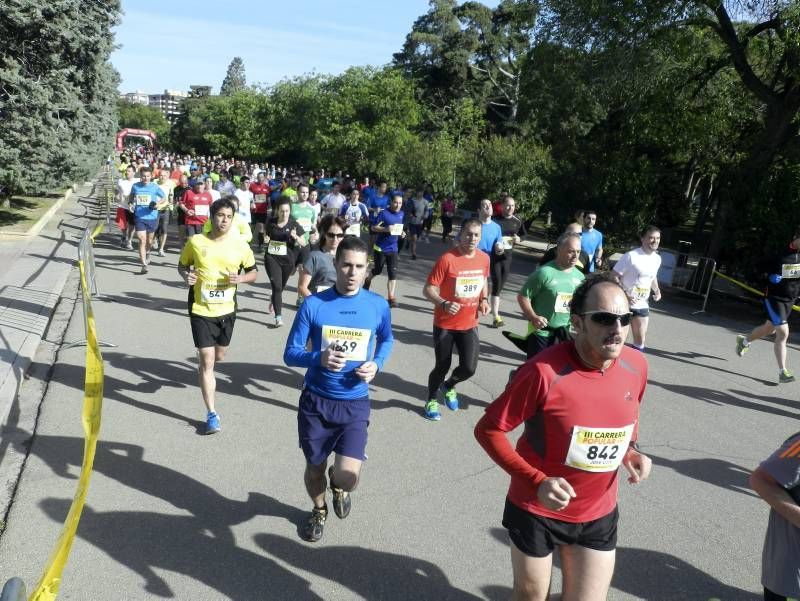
[278,321]
[741,347]
[212,423]
[129,245]
[144,269]
[413,257]
[432,410]
[450,397]
[785,376]
[392,302]
[161,253]
[341,498]
[498,322]
[312,531]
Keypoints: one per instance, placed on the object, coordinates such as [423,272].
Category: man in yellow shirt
[212,264]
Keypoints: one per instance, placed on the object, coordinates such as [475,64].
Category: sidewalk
[33,273]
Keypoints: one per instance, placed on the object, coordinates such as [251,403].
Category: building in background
[169,103]
[136,97]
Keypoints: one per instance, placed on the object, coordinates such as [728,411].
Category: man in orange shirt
[457,286]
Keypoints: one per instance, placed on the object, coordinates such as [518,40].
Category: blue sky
[172,44]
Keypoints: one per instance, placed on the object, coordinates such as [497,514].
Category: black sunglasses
[331,235]
[604,318]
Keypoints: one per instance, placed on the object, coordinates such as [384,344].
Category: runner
[491,234]
[210,265]
[355,214]
[388,228]
[580,404]
[195,204]
[377,200]
[511,228]
[245,199]
[334,200]
[225,186]
[318,272]
[208,186]
[124,218]
[419,208]
[306,216]
[448,213]
[777,481]
[592,240]
[457,286]
[638,271]
[147,199]
[350,336]
[261,206]
[783,289]
[167,187]
[286,238]
[546,295]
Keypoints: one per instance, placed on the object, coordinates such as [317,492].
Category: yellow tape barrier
[47,589]
[746,287]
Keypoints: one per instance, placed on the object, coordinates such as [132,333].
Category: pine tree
[234,80]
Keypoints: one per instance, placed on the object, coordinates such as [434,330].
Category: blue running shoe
[212,423]
[432,410]
[450,397]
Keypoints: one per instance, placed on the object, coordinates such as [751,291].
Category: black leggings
[770,596]
[278,272]
[468,346]
[447,226]
[391,264]
[499,271]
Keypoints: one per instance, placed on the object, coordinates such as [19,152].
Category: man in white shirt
[124,214]
[637,271]
[332,203]
[246,198]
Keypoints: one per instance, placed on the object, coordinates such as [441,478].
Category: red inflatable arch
[140,133]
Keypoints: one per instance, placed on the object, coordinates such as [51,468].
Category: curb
[42,221]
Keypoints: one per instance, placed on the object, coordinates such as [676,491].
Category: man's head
[261,177]
[222,212]
[568,250]
[147,175]
[244,182]
[130,172]
[509,206]
[382,187]
[223,175]
[351,265]
[336,187]
[651,238]
[600,316]
[589,219]
[486,209]
[302,192]
[470,236]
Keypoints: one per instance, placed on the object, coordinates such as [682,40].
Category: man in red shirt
[457,286]
[579,401]
[260,207]
[195,204]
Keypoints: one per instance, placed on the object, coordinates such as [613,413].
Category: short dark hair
[578,303]
[651,228]
[470,222]
[283,200]
[148,169]
[222,203]
[351,243]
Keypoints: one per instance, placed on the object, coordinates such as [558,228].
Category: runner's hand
[191,277]
[233,278]
[499,249]
[555,493]
[638,466]
[366,371]
[657,295]
[332,360]
[539,322]
[452,308]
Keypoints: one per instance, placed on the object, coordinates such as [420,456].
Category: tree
[58,93]
[235,80]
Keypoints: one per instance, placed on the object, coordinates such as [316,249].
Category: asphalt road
[175,514]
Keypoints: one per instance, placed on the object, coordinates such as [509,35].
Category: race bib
[640,293]
[201,210]
[790,271]
[598,449]
[143,200]
[215,294]
[277,248]
[508,242]
[354,230]
[468,287]
[305,223]
[563,299]
[260,199]
[396,229]
[353,342]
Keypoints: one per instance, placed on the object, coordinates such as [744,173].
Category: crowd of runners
[577,391]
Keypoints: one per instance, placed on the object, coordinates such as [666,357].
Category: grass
[24,212]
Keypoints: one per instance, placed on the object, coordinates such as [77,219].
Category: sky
[170,44]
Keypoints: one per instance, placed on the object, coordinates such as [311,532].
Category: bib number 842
[602,452]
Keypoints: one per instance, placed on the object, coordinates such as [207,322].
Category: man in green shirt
[303,212]
[546,295]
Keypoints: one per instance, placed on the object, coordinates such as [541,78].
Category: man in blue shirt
[147,198]
[388,229]
[592,240]
[377,200]
[350,335]
[491,232]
